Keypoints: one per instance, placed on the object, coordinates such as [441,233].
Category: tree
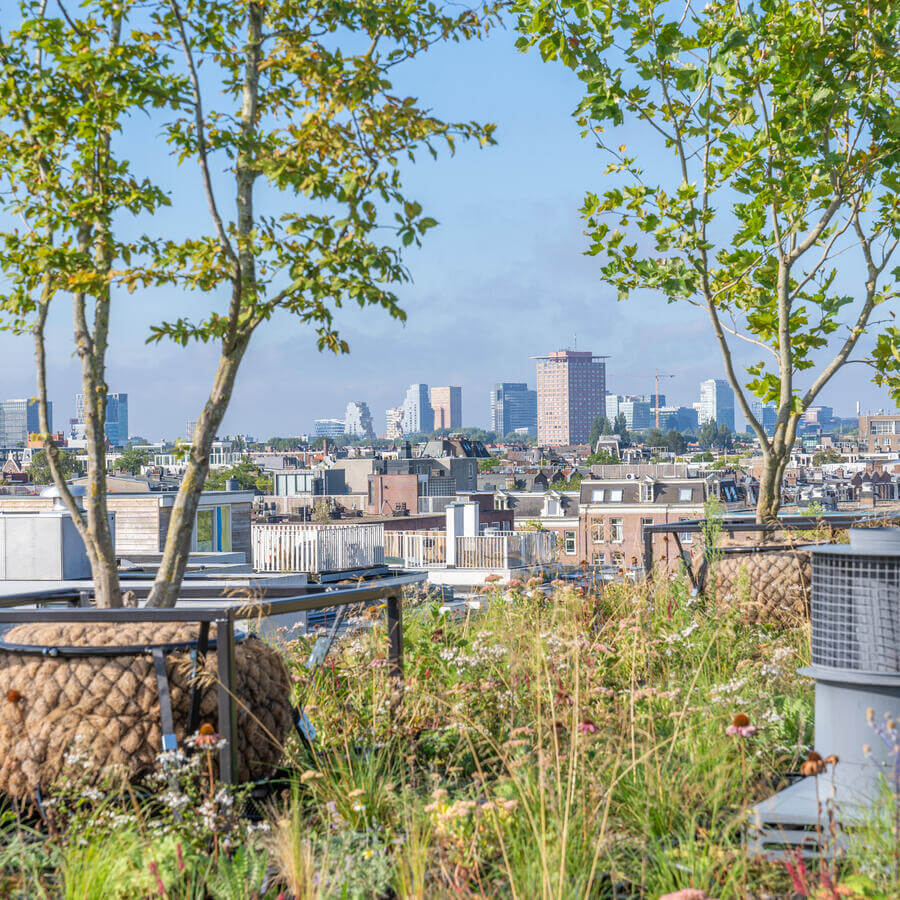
[781,123]
[822,457]
[248,475]
[599,426]
[306,110]
[620,427]
[708,433]
[132,460]
[489,464]
[39,470]
[602,458]
[71,82]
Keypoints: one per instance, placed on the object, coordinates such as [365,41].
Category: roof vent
[76,490]
[855,611]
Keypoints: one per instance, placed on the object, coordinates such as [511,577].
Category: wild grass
[563,746]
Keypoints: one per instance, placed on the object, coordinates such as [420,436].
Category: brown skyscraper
[447,405]
[571,393]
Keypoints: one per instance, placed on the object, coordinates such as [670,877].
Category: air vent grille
[856,611]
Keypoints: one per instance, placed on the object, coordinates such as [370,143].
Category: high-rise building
[116,427]
[446,404]
[571,393]
[328,427]
[716,402]
[358,420]
[766,414]
[394,423]
[418,416]
[19,418]
[513,409]
[189,429]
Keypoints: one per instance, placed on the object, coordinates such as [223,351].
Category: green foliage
[239,877]
[672,440]
[603,458]
[39,470]
[132,459]
[780,120]
[820,457]
[620,427]
[489,464]
[250,477]
[600,426]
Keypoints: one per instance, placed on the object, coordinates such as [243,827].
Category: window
[598,559]
[598,496]
[223,528]
[647,493]
[598,532]
[616,530]
[687,537]
[569,543]
[205,530]
[615,496]
[883,427]
[685,495]
[212,533]
[618,559]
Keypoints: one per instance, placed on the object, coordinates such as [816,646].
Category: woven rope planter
[770,585]
[110,704]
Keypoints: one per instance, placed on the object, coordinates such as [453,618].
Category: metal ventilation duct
[855,610]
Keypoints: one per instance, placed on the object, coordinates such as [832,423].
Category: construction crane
[657,375]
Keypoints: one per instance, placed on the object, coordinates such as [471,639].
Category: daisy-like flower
[740,727]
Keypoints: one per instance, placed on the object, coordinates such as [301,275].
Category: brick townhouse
[612,513]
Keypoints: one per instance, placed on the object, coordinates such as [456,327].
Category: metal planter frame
[204,613]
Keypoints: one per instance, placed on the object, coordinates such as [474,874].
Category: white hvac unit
[855,612]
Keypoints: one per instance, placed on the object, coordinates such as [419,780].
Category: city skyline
[500,279]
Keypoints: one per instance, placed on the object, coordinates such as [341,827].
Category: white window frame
[616,495]
[598,533]
[647,493]
[687,537]
[570,541]
[685,491]
[598,495]
[617,527]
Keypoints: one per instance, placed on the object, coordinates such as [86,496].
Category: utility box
[43,546]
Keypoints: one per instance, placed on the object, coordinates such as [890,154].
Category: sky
[502,279]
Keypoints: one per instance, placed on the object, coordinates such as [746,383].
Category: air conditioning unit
[855,611]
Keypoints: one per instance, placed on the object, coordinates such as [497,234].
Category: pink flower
[740,730]
[687,894]
[587,727]
[740,727]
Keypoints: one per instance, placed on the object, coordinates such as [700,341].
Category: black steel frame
[224,618]
[836,521]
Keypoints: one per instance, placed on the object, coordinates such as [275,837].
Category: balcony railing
[315,549]
[417,549]
[428,550]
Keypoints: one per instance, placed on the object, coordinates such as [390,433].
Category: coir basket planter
[54,691]
[769,583]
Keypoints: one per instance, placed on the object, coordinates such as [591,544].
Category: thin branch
[199,124]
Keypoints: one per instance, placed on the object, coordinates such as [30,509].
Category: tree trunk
[184,513]
[768,501]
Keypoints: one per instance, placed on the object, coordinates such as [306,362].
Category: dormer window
[615,495]
[647,492]
[685,495]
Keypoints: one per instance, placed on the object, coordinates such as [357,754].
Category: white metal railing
[506,551]
[299,547]
[428,549]
[417,549]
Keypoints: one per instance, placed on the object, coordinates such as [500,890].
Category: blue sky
[503,278]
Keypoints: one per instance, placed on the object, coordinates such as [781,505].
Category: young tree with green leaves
[780,122]
[40,472]
[72,79]
[296,102]
[132,460]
